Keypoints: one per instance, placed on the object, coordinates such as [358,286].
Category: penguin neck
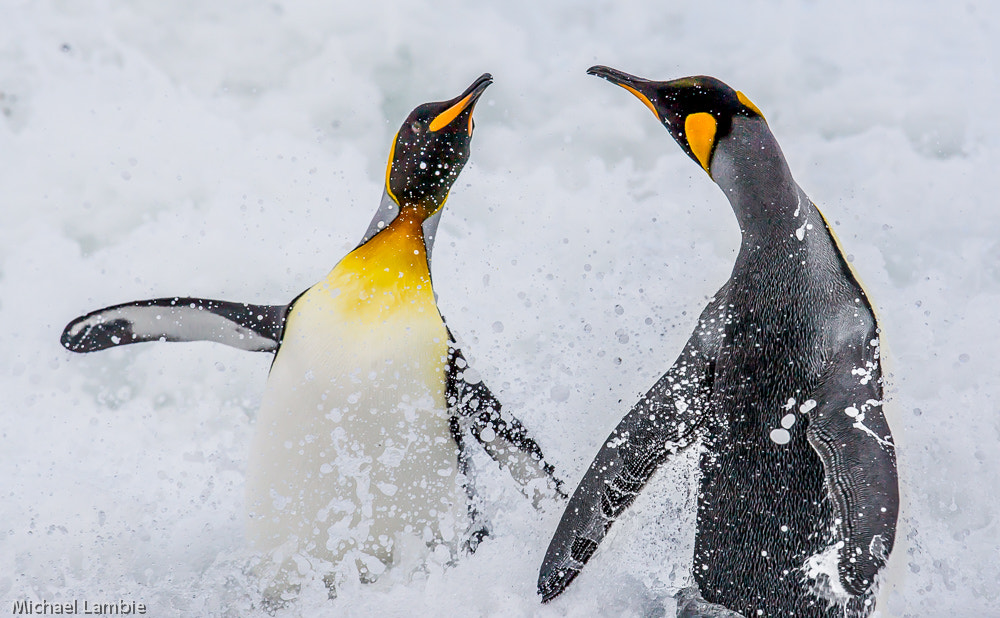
[389,210]
[388,272]
[399,246]
[749,167]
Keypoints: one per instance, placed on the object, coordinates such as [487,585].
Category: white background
[236,150]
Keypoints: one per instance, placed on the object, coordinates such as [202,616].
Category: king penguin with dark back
[780,384]
[361,445]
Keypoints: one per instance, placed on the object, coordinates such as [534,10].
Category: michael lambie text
[78,608]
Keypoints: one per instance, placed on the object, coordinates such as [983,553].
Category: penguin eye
[416,127]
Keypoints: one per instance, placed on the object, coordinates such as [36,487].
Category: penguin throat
[750,169]
[423,209]
[422,205]
[387,274]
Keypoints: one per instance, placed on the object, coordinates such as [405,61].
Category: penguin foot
[330,581]
[272,602]
[690,604]
[474,537]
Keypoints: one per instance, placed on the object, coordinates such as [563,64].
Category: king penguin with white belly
[361,440]
[781,386]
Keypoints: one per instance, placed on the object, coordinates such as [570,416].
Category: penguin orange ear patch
[388,168]
[700,131]
[748,103]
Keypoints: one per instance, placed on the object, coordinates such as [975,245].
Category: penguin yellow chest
[353,448]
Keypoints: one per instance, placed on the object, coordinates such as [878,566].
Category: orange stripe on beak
[444,118]
[642,98]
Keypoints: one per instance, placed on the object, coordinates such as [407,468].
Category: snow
[236,150]
[780,436]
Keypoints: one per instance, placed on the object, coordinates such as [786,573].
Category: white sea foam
[237,150]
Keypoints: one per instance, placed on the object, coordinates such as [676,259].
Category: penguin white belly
[353,448]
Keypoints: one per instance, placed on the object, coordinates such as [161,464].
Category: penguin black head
[698,111]
[430,150]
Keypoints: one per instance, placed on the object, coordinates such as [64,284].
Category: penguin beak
[643,89]
[695,132]
[465,101]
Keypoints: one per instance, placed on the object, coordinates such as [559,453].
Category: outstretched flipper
[860,472]
[475,410]
[663,422]
[255,328]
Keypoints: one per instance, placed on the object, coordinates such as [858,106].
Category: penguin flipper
[503,437]
[662,423]
[479,526]
[848,429]
[255,328]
